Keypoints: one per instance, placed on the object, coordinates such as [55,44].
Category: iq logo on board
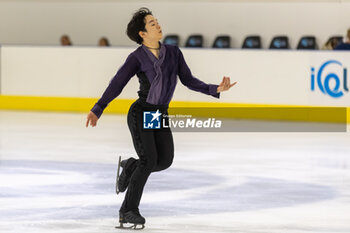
[331,79]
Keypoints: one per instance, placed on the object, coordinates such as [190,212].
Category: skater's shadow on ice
[64,180]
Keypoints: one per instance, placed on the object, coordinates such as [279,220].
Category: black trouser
[154,147]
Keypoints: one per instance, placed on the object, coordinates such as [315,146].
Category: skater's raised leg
[128,166]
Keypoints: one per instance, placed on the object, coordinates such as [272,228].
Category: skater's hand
[225,84]
[92,119]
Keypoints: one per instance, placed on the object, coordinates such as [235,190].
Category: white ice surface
[58,176]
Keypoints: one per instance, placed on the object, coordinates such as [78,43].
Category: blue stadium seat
[222,42]
[171,40]
[307,42]
[252,42]
[279,42]
[194,41]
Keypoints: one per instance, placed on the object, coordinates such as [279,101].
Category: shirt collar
[151,55]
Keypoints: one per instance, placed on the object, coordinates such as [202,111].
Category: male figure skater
[157,67]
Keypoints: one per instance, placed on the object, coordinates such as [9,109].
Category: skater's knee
[164,164]
[148,164]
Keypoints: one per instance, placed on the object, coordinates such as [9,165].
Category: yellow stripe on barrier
[60,104]
[228,110]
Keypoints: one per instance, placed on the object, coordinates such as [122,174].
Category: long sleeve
[193,83]
[116,85]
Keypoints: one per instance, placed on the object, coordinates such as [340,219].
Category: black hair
[137,24]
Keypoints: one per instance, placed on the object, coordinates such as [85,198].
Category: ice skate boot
[123,178]
[132,219]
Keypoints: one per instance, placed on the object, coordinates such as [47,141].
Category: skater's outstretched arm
[195,84]
[119,81]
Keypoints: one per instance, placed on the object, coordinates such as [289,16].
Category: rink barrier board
[121,106]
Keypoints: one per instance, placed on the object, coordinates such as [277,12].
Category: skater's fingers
[223,81]
[93,123]
[88,120]
[91,119]
[224,85]
[227,83]
[233,84]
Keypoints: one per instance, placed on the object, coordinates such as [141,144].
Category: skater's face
[153,30]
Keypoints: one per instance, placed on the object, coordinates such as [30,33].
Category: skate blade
[134,226]
[117,181]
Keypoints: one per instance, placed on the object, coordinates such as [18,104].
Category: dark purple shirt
[161,72]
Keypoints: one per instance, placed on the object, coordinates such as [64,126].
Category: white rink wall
[42,22]
[263,76]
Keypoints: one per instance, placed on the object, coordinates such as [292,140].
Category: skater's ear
[142,34]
